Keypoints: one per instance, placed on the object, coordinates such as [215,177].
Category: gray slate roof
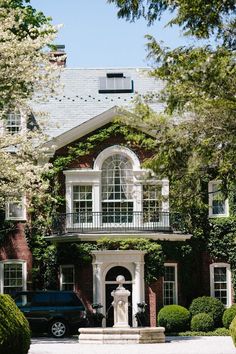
[78,99]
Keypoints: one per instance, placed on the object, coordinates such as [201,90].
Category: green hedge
[232,330]
[228,316]
[14,328]
[209,305]
[174,318]
[202,322]
[220,332]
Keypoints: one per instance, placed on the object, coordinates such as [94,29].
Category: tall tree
[25,69]
[199,18]
[196,136]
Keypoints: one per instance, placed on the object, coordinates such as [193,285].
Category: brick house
[108,193]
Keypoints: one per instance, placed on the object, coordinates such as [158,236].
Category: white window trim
[20,218]
[210,201]
[24,272]
[67,266]
[116,149]
[175,265]
[93,177]
[228,280]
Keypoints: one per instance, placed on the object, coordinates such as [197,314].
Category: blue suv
[57,312]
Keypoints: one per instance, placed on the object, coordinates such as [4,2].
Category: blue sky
[95,37]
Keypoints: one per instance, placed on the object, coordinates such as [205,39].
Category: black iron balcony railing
[100,222]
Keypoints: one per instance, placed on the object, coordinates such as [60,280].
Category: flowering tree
[25,69]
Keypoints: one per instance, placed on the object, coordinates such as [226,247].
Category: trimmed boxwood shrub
[232,330]
[209,305]
[228,316]
[174,318]
[14,328]
[202,322]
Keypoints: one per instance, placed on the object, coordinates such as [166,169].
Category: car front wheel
[58,328]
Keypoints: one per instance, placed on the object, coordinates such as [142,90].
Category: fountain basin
[122,335]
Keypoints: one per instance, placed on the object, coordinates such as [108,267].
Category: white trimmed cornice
[83,129]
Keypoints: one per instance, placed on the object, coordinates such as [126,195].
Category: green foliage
[232,330]
[199,18]
[14,328]
[44,271]
[210,306]
[202,322]
[217,332]
[154,258]
[228,316]
[80,253]
[75,253]
[221,242]
[174,318]
[32,18]
[198,85]
[132,137]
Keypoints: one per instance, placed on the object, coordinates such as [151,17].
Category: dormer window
[115,83]
[13,123]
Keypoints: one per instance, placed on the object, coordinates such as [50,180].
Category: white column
[96,205]
[69,205]
[136,294]
[165,202]
[137,220]
[97,283]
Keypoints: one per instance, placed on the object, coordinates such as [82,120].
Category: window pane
[13,278]
[220,284]
[218,200]
[151,203]
[13,123]
[67,278]
[117,190]
[82,204]
[169,285]
[42,299]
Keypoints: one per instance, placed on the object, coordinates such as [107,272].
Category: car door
[70,308]
[39,311]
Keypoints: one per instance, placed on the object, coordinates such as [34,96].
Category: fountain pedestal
[121,333]
[120,304]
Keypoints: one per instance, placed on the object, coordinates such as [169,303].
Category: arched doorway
[110,285]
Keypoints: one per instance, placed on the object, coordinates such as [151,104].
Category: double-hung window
[16,209]
[220,278]
[82,204]
[12,276]
[67,277]
[170,288]
[151,202]
[13,123]
[218,204]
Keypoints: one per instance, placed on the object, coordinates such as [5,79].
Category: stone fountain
[121,332]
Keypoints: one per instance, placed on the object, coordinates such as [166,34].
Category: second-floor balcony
[113,223]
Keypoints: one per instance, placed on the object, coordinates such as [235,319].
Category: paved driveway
[174,345]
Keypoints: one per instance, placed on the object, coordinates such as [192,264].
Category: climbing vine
[216,236]
[80,253]
[132,137]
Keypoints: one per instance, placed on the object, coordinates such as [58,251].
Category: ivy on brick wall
[80,253]
[216,236]
[221,243]
[132,137]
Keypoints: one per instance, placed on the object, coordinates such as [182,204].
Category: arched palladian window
[117,189]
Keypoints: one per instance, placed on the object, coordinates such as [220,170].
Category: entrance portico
[133,261]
